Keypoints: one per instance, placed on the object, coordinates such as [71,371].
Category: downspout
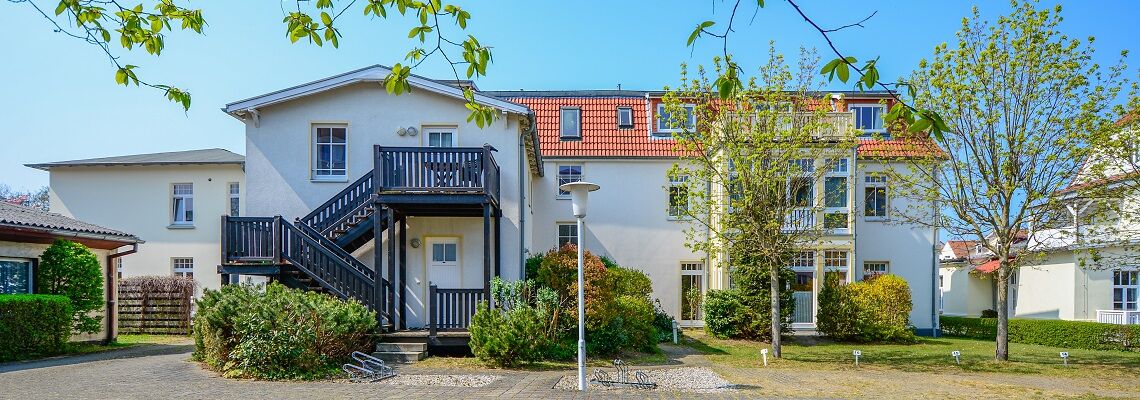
[112,295]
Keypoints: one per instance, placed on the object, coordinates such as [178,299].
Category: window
[872,269]
[875,197]
[15,275]
[802,166]
[803,287]
[804,260]
[1125,290]
[445,253]
[183,266]
[678,196]
[567,234]
[568,174]
[438,137]
[183,203]
[835,195]
[119,267]
[330,152]
[667,123]
[570,120]
[835,191]
[692,290]
[625,117]
[802,192]
[235,199]
[869,118]
[837,165]
[835,264]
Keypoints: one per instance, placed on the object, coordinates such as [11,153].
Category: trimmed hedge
[876,310]
[1053,333]
[33,325]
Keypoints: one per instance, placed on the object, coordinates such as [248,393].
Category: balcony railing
[1119,317]
[437,170]
[799,220]
[824,125]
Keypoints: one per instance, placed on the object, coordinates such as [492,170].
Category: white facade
[140,199]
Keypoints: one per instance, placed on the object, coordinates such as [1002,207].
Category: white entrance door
[444,269]
[692,293]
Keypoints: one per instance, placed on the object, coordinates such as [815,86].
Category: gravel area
[473,381]
[685,379]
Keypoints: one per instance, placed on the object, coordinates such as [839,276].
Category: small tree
[761,150]
[1022,103]
[69,269]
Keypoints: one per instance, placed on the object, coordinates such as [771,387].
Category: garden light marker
[1065,358]
[857,353]
[764,355]
[957,356]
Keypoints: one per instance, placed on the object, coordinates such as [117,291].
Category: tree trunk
[1002,352]
[774,286]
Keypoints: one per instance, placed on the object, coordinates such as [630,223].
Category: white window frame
[182,266]
[441,131]
[119,267]
[838,170]
[662,126]
[1120,281]
[868,132]
[30,265]
[837,261]
[562,239]
[692,269]
[567,178]
[886,266]
[876,182]
[562,134]
[677,182]
[628,122]
[334,174]
[444,242]
[182,204]
[234,199]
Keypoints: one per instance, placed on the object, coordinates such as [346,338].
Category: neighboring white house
[173,200]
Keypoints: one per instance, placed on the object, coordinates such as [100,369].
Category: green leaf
[760,3]
[697,32]
[61,7]
[843,71]
[830,66]
[326,18]
[920,125]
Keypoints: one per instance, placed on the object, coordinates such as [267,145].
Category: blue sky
[59,100]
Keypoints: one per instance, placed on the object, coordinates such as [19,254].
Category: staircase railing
[451,309]
[250,240]
[352,201]
[329,268]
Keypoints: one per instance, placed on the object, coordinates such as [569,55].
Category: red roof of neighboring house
[990,266]
[899,148]
[601,136]
[961,248]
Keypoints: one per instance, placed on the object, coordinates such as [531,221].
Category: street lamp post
[579,193]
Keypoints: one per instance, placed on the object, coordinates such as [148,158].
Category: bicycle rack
[641,380]
[371,369]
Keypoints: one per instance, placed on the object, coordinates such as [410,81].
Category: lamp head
[579,192]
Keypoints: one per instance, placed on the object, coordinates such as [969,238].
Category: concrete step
[400,347]
[400,356]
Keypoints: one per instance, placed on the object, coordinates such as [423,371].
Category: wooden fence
[155,305]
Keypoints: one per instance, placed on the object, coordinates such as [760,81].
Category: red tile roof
[961,248]
[990,266]
[899,148]
[601,136]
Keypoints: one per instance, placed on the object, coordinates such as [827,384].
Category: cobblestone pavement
[159,372]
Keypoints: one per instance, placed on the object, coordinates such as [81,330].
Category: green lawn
[929,355]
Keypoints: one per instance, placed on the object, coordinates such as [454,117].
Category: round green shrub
[274,332]
[876,310]
[507,338]
[69,269]
[33,325]
[725,313]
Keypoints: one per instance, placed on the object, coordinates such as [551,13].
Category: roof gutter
[125,240]
[112,295]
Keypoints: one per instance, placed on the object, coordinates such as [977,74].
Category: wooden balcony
[436,175]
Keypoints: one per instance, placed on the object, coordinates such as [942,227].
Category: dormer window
[570,123]
[625,117]
[667,123]
[869,118]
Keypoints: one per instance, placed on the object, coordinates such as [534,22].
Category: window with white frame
[567,234]
[119,267]
[692,290]
[568,174]
[15,276]
[1125,290]
[835,196]
[182,201]
[872,269]
[668,123]
[835,263]
[875,197]
[235,199]
[330,152]
[625,117]
[678,196]
[440,137]
[182,266]
[445,252]
[570,123]
[869,118]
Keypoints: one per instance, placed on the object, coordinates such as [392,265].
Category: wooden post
[377,267]
[498,245]
[403,270]
[487,251]
[276,240]
[225,245]
[390,214]
[433,315]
